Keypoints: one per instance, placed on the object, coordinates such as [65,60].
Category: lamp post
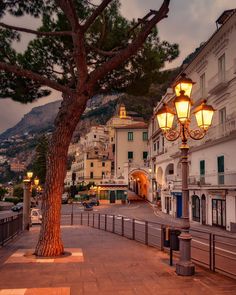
[165,116]
[27,186]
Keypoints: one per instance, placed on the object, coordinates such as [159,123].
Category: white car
[36,216]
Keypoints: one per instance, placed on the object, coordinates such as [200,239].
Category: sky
[189,23]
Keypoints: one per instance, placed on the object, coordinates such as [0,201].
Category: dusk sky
[189,24]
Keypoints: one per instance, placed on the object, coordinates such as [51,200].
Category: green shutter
[221,164]
[202,167]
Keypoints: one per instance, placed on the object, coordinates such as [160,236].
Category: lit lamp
[36,181]
[183,85]
[204,115]
[165,117]
[29,174]
[183,106]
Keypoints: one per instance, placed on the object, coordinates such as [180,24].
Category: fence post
[146,232]
[214,253]
[99,219]
[133,229]
[162,237]
[113,223]
[93,219]
[122,226]
[105,222]
[210,251]
[81,218]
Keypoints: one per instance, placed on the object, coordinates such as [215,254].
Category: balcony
[220,81]
[214,179]
[221,130]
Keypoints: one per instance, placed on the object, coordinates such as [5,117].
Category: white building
[212,163]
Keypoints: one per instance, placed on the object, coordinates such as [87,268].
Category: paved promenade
[101,263]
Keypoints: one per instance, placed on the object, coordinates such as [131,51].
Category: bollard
[146,232]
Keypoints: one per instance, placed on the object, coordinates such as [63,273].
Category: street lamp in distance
[165,117]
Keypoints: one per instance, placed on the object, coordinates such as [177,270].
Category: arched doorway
[196,208]
[139,182]
[169,173]
[203,209]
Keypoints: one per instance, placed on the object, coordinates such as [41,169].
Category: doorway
[179,205]
[219,213]
[112,197]
[196,208]
[203,209]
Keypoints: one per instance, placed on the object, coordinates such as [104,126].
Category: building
[91,164]
[212,172]
[17,166]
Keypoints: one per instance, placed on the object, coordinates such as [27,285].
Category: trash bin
[174,239]
[166,234]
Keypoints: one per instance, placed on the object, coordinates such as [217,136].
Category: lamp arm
[172,134]
[196,134]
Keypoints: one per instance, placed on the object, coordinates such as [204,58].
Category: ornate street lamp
[165,116]
[29,174]
[36,181]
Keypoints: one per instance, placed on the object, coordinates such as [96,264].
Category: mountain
[38,119]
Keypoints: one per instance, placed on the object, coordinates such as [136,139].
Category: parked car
[17,208]
[65,198]
[36,216]
[92,202]
[87,207]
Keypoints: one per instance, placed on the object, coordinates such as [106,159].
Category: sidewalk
[101,263]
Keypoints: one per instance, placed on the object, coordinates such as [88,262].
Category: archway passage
[139,183]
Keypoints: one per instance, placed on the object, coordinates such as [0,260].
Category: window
[130,155]
[103,164]
[155,147]
[203,85]
[221,169]
[158,146]
[91,164]
[222,115]
[91,174]
[221,68]
[145,154]
[202,171]
[130,136]
[103,174]
[95,136]
[145,136]
[202,167]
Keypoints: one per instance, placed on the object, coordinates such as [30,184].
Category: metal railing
[10,227]
[213,251]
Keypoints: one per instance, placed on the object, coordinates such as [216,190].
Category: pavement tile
[101,263]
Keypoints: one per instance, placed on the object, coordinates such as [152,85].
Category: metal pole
[122,226]
[146,232]
[26,205]
[93,219]
[105,222]
[133,228]
[72,213]
[184,266]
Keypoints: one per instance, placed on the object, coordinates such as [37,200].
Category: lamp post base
[184,267]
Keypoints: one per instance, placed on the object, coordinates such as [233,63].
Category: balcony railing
[219,179]
[220,80]
[221,130]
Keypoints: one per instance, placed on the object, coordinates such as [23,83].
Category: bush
[12,200]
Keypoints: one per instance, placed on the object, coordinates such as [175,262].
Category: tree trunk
[50,242]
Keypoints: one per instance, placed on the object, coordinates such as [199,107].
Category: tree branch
[68,7]
[38,33]
[132,48]
[95,14]
[33,76]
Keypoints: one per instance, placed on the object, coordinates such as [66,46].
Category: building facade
[212,164]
